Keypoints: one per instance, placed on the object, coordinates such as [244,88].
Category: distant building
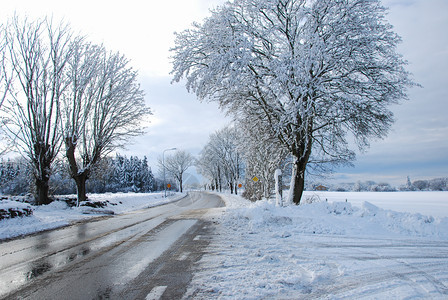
[321,188]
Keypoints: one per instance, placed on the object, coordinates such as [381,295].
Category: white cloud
[181,121]
[418,142]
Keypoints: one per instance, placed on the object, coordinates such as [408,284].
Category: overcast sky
[143,31]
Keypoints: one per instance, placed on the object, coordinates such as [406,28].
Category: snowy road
[144,254]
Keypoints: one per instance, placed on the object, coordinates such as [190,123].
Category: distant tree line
[436,184]
[112,174]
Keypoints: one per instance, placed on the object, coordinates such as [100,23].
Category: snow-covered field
[58,214]
[426,203]
[328,250]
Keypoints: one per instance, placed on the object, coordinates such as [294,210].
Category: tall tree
[103,108]
[176,165]
[224,144]
[220,160]
[209,167]
[309,71]
[36,54]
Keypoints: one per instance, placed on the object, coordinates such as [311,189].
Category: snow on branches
[308,71]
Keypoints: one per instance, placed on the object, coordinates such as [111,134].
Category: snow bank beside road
[58,214]
[12,209]
[334,218]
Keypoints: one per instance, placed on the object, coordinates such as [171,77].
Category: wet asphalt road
[147,254]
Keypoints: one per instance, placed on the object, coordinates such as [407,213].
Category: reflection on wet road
[96,259]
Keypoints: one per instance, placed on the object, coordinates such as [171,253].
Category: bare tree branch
[102,109]
[177,164]
[35,54]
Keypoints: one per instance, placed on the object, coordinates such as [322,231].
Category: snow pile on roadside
[340,218]
[13,209]
[58,213]
[8,204]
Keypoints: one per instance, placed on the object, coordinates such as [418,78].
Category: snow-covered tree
[130,174]
[146,182]
[310,71]
[110,174]
[35,54]
[176,165]
[220,161]
[208,166]
[4,80]
[224,144]
[359,186]
[15,177]
[438,184]
[103,107]
[263,154]
[382,187]
[61,182]
[420,184]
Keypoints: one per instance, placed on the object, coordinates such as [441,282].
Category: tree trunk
[42,178]
[297,182]
[80,180]
[79,177]
[180,183]
[301,157]
[219,180]
[42,188]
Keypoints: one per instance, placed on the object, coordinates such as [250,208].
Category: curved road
[147,254]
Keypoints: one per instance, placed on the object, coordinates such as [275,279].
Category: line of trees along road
[60,92]
[311,74]
[221,162]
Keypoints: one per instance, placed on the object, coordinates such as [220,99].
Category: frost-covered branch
[34,60]
[305,70]
[103,108]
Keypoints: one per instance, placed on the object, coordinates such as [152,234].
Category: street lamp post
[163,165]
